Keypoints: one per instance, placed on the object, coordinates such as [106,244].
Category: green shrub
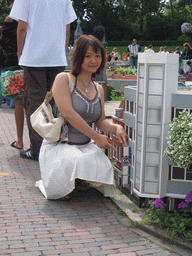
[179,148]
[112,94]
[127,71]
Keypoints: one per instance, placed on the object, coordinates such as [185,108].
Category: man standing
[133,50]
[42,39]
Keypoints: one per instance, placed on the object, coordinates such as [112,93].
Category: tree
[128,19]
[101,12]
[3,11]
[155,27]
[80,8]
[176,14]
[141,8]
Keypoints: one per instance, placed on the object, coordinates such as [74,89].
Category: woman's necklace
[86,88]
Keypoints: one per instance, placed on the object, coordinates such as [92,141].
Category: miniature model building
[122,172]
[149,109]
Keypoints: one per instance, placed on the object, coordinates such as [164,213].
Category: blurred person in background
[133,50]
[9,45]
[186,56]
[177,51]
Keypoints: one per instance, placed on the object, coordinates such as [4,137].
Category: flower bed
[123,73]
[178,222]
[125,77]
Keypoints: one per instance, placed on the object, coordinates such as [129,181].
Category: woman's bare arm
[106,126]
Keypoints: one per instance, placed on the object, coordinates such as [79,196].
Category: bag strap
[71,85]
[49,95]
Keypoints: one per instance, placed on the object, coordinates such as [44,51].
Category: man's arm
[67,36]
[21,33]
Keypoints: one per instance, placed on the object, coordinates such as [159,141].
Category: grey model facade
[149,109]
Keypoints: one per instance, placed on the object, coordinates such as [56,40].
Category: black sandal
[82,185]
[66,198]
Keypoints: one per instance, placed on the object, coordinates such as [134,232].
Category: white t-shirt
[149,51]
[46,30]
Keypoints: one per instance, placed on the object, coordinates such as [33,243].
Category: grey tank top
[90,111]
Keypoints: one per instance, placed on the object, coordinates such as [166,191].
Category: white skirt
[61,164]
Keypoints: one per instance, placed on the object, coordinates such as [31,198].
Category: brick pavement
[87,225]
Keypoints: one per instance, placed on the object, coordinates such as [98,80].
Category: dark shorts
[38,80]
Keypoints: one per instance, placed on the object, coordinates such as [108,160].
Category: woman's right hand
[104,142]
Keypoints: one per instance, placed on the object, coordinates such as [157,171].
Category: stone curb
[128,206]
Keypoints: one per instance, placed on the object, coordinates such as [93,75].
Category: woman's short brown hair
[79,51]
[187,45]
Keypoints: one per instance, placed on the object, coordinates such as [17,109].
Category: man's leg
[51,74]
[38,81]
[131,62]
[135,62]
[35,81]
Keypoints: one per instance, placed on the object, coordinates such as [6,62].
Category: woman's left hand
[121,135]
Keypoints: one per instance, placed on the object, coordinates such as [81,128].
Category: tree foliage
[128,19]
[3,11]
[141,19]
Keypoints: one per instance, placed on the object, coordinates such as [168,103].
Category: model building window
[127,105]
[127,129]
[97,130]
[114,154]
[131,107]
[181,173]
[109,135]
[120,149]
[117,152]
[130,133]
[114,135]
[177,111]
[178,173]
[189,174]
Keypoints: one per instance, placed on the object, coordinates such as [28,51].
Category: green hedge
[180,41]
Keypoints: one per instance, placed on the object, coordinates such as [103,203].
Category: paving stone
[125,254]
[88,225]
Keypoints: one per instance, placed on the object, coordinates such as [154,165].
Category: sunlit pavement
[89,224]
